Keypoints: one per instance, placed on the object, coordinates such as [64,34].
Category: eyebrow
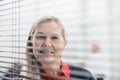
[54,34]
[39,33]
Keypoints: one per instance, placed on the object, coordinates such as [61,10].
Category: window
[87,22]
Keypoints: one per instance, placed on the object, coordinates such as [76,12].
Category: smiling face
[48,42]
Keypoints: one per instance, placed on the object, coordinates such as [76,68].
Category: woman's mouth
[46,52]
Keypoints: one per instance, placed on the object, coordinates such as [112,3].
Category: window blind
[88,24]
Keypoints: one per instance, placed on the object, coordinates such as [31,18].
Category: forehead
[49,27]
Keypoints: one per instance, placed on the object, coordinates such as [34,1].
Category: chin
[47,60]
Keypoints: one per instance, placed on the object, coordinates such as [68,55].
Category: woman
[46,43]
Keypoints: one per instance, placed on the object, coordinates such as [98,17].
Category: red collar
[65,72]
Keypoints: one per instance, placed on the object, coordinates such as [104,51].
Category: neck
[53,67]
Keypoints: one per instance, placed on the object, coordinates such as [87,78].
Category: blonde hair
[29,44]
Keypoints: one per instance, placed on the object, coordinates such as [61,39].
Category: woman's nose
[47,43]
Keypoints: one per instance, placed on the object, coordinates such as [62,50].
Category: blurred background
[92,30]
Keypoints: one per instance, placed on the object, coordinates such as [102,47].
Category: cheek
[36,46]
[60,47]
[36,43]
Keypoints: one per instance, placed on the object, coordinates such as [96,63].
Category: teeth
[46,52]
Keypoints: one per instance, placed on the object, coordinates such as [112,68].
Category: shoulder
[76,68]
[77,73]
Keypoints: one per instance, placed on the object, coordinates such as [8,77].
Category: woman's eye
[40,37]
[55,38]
